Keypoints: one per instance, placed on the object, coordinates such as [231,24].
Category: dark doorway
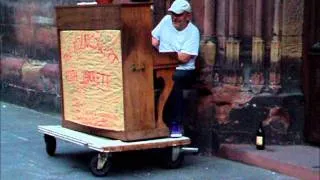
[311,68]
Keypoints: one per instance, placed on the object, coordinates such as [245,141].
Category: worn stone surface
[37,76]
[291,61]
[11,68]
[291,47]
[234,116]
[292,17]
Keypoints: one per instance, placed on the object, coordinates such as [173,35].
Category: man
[176,33]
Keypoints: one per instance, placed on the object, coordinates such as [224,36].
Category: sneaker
[176,131]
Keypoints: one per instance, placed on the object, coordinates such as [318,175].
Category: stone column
[258,45]
[275,52]
[233,45]
[208,42]
[209,19]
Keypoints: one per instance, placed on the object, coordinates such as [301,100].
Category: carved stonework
[291,47]
[257,52]
[275,57]
[209,52]
[232,60]
[206,61]
[257,60]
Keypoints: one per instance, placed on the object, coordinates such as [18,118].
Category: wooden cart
[108,71]
[101,163]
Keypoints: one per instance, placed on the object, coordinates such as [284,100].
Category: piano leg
[166,75]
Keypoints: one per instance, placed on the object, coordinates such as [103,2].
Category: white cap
[180,6]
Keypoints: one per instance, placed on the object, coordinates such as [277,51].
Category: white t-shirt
[171,40]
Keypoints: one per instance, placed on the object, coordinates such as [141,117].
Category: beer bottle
[260,138]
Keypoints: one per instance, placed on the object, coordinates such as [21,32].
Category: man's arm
[190,47]
[183,57]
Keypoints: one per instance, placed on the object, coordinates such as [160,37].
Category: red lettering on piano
[96,78]
[71,75]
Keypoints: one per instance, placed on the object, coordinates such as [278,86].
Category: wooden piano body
[108,67]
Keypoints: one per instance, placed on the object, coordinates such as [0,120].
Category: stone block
[50,78]
[51,71]
[11,68]
[31,77]
[24,34]
[46,36]
[22,15]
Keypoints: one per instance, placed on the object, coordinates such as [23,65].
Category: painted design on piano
[92,78]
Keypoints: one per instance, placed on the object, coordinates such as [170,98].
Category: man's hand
[155,42]
[183,57]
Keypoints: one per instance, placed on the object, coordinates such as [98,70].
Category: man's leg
[182,79]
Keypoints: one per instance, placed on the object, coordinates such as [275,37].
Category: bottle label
[259,140]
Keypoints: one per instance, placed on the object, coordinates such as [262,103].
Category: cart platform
[103,144]
[101,163]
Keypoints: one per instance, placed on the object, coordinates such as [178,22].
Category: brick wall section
[29,54]
[38,76]
[11,69]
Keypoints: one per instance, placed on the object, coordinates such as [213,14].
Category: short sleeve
[191,45]
[156,32]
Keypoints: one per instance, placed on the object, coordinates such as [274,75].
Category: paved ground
[23,156]
[301,161]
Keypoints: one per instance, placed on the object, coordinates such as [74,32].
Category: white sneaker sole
[175,135]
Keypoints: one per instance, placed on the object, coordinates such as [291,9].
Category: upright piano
[108,68]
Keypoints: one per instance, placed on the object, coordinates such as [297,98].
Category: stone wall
[29,54]
[253,73]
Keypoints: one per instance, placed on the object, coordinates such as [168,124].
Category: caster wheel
[51,144]
[100,164]
[173,158]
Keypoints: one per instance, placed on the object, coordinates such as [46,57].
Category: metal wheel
[173,157]
[100,164]
[51,144]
